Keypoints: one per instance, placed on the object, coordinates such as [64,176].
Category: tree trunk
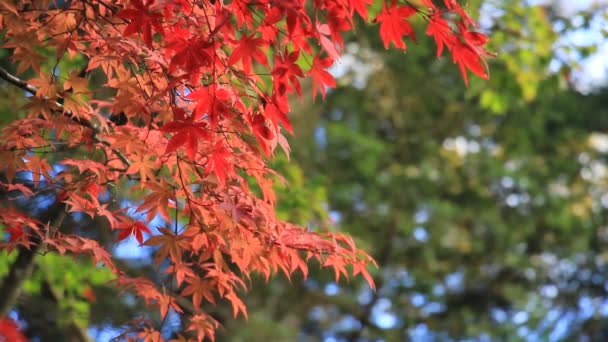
[19,272]
[23,266]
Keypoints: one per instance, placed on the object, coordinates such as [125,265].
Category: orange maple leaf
[171,245]
[145,166]
[47,87]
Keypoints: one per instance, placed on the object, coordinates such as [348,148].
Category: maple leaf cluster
[204,87]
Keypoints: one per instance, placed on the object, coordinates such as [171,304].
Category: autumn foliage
[9,332]
[189,101]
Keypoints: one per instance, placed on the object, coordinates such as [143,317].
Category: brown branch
[14,80]
[72,329]
[20,270]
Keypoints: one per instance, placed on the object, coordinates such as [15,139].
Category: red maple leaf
[142,17]
[275,112]
[360,6]
[394,24]
[262,133]
[191,52]
[247,49]
[467,57]
[137,229]
[286,69]
[211,101]
[299,37]
[9,331]
[219,162]
[339,19]
[15,232]
[440,30]
[321,79]
[187,133]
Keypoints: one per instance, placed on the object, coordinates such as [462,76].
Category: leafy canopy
[179,104]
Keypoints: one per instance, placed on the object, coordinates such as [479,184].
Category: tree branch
[73,330]
[14,80]
[20,270]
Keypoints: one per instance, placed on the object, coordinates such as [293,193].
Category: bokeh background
[485,207]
